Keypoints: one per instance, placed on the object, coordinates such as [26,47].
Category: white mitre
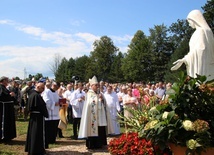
[93,80]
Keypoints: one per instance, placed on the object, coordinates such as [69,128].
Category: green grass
[17,145]
[6,153]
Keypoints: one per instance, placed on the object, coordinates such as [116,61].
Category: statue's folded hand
[177,64]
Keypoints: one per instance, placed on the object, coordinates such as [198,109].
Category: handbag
[62,125]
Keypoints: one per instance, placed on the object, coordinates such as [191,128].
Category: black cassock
[35,143]
[7,115]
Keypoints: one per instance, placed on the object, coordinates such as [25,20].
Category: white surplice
[114,107]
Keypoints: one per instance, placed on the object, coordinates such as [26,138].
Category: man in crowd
[14,87]
[24,95]
[37,109]
[160,91]
[95,118]
[114,107]
[51,98]
[121,94]
[7,115]
[102,84]
[67,95]
[77,102]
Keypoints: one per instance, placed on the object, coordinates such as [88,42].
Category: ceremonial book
[62,101]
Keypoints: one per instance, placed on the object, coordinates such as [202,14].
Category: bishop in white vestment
[95,122]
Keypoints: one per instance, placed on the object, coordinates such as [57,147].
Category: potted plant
[185,118]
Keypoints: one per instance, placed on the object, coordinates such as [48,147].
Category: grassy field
[17,145]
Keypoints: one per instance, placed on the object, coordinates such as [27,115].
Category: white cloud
[8,22]
[37,59]
[77,22]
[119,39]
[59,38]
[31,30]
[34,59]
[88,37]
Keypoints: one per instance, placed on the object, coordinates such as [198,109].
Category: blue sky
[33,31]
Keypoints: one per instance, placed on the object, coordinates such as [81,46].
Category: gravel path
[76,147]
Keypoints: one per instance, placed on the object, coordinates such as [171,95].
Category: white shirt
[77,105]
[67,94]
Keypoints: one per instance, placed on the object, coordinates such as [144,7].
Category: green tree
[209,13]
[116,74]
[101,58]
[16,78]
[70,69]
[38,76]
[136,64]
[80,67]
[62,71]
[162,48]
[179,31]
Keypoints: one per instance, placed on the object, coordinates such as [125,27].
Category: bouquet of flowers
[131,143]
[185,118]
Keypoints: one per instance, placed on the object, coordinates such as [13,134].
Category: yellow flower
[153,108]
[192,144]
[147,126]
[153,123]
[165,114]
[150,125]
[188,125]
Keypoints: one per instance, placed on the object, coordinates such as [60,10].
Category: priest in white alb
[114,107]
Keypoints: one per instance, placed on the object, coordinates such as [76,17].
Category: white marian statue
[200,59]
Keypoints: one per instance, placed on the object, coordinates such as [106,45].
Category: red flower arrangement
[130,143]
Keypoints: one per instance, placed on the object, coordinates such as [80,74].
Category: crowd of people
[91,107]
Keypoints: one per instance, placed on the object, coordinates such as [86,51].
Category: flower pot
[177,150]
[181,150]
